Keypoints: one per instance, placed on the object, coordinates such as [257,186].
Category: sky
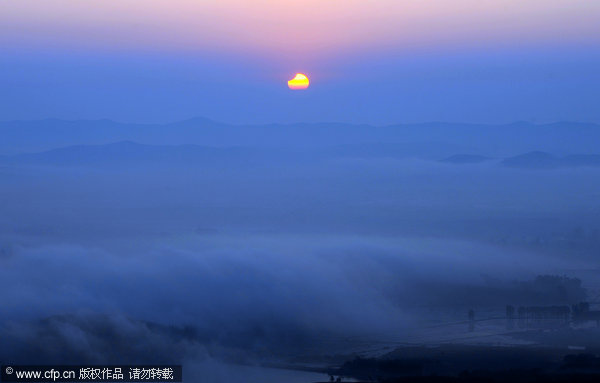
[379,62]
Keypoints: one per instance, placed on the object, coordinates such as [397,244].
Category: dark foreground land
[457,363]
[477,363]
[509,376]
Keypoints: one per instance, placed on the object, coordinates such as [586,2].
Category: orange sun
[298,82]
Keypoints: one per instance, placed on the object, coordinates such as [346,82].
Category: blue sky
[461,61]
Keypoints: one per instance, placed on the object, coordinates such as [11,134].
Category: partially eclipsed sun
[298,82]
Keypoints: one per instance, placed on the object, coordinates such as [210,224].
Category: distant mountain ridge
[131,153]
[128,153]
[435,140]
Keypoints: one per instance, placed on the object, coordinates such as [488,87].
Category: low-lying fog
[253,263]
